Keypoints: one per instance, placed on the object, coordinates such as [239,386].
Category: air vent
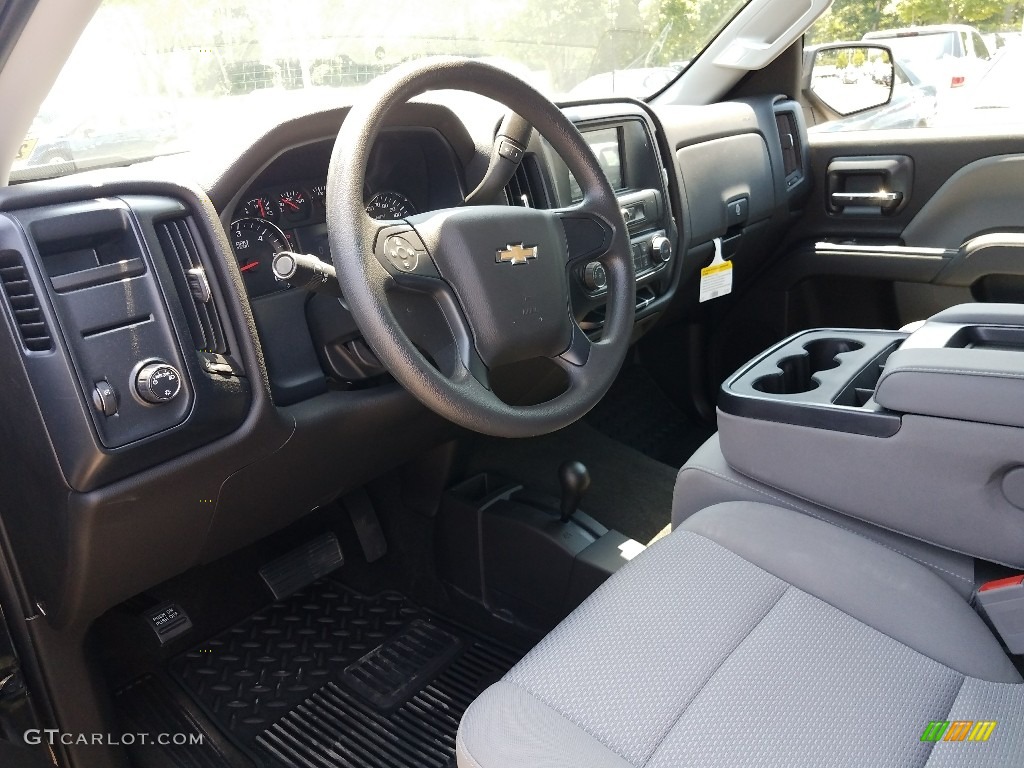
[24,305]
[526,188]
[181,248]
[518,191]
[789,136]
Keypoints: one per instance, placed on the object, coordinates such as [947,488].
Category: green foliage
[981,13]
[850,19]
[687,25]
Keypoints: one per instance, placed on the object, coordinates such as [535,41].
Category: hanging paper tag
[716,279]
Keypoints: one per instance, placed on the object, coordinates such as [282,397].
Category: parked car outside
[951,56]
[343,70]
[996,98]
[105,136]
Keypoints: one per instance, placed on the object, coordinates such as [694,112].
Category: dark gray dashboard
[107,272]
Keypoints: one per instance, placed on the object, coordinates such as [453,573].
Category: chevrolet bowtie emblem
[517,253]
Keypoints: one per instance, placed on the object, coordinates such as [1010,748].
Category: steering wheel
[498,274]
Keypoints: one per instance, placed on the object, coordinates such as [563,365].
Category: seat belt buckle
[1001,602]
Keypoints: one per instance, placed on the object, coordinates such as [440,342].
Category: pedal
[302,566]
[367,525]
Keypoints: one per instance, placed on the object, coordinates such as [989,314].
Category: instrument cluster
[293,217]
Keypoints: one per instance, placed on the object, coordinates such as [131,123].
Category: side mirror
[846,78]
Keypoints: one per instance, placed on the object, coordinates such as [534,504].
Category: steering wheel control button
[104,398]
[403,253]
[510,151]
[661,249]
[158,383]
[595,277]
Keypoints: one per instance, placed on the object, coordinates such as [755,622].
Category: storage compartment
[523,562]
[994,337]
[822,378]
[796,373]
[721,173]
[91,244]
[861,389]
[915,433]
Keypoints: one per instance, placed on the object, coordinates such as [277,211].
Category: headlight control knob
[661,249]
[158,382]
[595,277]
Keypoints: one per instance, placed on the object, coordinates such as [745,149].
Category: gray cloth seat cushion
[707,479]
[755,636]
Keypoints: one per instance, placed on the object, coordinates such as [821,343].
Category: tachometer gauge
[261,208]
[294,205]
[256,242]
[389,205]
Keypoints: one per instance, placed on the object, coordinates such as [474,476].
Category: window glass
[980,49]
[221,71]
[957,65]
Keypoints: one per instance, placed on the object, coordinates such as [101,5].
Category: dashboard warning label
[716,279]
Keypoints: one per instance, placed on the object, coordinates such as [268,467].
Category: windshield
[153,77]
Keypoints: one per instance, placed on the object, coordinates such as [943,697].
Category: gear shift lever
[575,480]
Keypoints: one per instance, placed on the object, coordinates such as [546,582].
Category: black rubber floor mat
[337,728]
[146,707]
[397,667]
[636,412]
[252,674]
[332,678]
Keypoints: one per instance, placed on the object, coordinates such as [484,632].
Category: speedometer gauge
[256,242]
[389,205]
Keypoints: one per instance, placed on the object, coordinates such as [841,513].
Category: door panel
[983,196]
[936,155]
[957,237]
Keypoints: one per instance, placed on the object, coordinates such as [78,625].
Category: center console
[623,143]
[919,433]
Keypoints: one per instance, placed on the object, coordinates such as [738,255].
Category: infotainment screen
[606,144]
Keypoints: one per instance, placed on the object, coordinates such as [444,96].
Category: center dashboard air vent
[181,246]
[35,334]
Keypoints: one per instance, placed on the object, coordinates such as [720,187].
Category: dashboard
[311,343]
[188,403]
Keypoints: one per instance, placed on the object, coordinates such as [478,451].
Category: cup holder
[796,372]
